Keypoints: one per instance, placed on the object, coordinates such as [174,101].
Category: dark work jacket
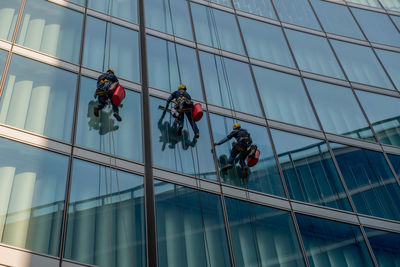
[240,136]
[178,93]
[106,76]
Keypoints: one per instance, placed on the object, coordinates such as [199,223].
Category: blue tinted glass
[336,19]
[124,55]
[266,42]
[262,236]
[32,190]
[105,217]
[79,2]
[395,161]
[309,171]
[190,227]
[39,98]
[338,110]
[360,64]
[333,244]
[385,246]
[262,177]
[396,20]
[216,28]
[261,8]
[313,54]
[391,62]
[371,183]
[383,113]
[105,133]
[163,68]
[296,12]
[284,98]
[3,58]
[170,16]
[391,4]
[8,12]
[377,27]
[222,2]
[180,153]
[228,83]
[373,3]
[125,9]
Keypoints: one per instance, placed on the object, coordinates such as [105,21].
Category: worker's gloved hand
[216,144]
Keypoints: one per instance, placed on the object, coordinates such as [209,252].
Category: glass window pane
[296,12]
[97,132]
[8,17]
[264,176]
[180,153]
[391,62]
[190,227]
[222,2]
[124,55]
[163,68]
[396,20]
[330,243]
[3,58]
[385,246]
[79,2]
[309,171]
[377,27]
[313,54]
[384,114]
[338,110]
[261,8]
[32,190]
[284,98]
[228,83]
[123,9]
[51,29]
[216,28]
[38,98]
[371,183]
[262,236]
[170,16]
[105,217]
[391,4]
[373,3]
[360,64]
[336,19]
[395,161]
[266,42]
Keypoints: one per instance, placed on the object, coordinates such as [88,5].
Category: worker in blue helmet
[106,85]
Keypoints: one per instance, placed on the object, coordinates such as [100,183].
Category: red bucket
[251,161]
[118,96]
[197,112]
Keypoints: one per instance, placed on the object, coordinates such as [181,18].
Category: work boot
[116,115]
[197,135]
[96,111]
[226,167]
[180,130]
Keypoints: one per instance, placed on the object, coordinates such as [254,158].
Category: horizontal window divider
[112,19]
[170,37]
[68,5]
[383,224]
[71,263]
[99,15]
[14,256]
[370,8]
[4,45]
[392,12]
[374,89]
[273,66]
[353,142]
[347,39]
[302,29]
[386,47]
[323,78]
[214,5]
[295,129]
[391,149]
[239,115]
[259,18]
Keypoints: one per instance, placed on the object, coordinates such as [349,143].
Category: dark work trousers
[103,102]
[180,119]
[234,154]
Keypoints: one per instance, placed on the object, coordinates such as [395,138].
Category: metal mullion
[391,167]
[370,250]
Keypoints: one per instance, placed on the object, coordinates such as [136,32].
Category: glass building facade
[315,82]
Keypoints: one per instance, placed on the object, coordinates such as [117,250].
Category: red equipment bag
[251,161]
[197,112]
[118,96]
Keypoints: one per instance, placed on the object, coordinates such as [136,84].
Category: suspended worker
[183,105]
[106,85]
[241,146]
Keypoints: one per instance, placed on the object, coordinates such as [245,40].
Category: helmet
[110,70]
[182,86]
[236,125]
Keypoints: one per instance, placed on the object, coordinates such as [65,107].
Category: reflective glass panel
[79,2]
[373,3]
[262,236]
[51,29]
[216,28]
[383,113]
[8,17]
[377,27]
[284,98]
[338,110]
[266,42]
[261,8]
[371,183]
[105,217]
[336,19]
[170,16]
[32,190]
[190,227]
[123,9]
[296,12]
[360,64]
[38,98]
[395,161]
[391,4]
[313,54]
[222,2]
[333,244]
[391,62]
[105,133]
[309,171]
[163,70]
[3,58]
[396,20]
[228,83]
[385,246]
[124,55]
[262,177]
[180,153]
